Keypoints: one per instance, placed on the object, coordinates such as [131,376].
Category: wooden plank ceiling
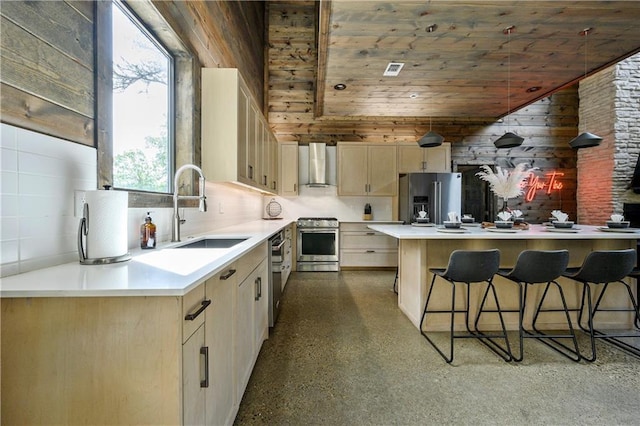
[459,62]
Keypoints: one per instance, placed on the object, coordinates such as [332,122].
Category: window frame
[184,99]
[171,111]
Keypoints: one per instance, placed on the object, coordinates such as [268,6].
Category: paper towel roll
[106,224]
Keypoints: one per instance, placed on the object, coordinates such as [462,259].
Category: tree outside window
[142,106]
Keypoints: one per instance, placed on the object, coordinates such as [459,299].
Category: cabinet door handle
[203,306]
[250,172]
[227,274]
[259,287]
[205,351]
[257,294]
[295,187]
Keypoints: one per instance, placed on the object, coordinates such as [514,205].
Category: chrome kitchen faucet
[201,197]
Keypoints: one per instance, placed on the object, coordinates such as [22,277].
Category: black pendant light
[509,139]
[430,139]
[586,139]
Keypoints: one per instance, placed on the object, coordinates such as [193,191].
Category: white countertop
[534,232]
[372,221]
[164,271]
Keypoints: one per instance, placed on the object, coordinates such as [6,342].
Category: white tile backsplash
[324,202]
[9,183]
[9,160]
[8,136]
[40,174]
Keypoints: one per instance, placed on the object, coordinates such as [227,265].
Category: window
[182,73]
[142,113]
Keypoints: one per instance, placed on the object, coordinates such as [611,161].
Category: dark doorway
[477,199]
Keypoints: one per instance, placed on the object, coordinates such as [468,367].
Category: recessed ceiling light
[533,89]
[413,95]
[393,69]
[340,86]
[431,28]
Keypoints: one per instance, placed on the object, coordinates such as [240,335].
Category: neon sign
[534,183]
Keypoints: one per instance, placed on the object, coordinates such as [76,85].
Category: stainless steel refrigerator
[436,193]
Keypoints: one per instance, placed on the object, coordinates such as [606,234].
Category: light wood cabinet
[364,247]
[236,139]
[288,167]
[252,323]
[92,360]
[274,174]
[365,169]
[135,360]
[415,159]
[194,393]
[221,404]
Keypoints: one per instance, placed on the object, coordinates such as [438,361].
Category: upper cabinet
[288,166]
[367,169]
[412,158]
[237,144]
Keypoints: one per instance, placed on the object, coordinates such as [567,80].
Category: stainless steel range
[318,248]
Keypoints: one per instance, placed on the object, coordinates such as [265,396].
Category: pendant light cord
[508,76]
[586,35]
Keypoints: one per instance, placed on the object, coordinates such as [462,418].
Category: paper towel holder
[83,231]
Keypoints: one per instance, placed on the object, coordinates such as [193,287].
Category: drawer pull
[205,351]
[371,251]
[371,233]
[227,274]
[203,306]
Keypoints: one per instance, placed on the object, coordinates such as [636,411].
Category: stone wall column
[610,108]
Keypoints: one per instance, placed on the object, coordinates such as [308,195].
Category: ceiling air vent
[393,69]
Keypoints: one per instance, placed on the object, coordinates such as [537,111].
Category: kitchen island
[169,337]
[424,247]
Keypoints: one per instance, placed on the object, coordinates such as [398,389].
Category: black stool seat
[467,267]
[542,267]
[605,267]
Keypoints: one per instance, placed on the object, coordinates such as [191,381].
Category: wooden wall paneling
[35,65]
[225,34]
[47,68]
[24,110]
[104,92]
[292,62]
[66,26]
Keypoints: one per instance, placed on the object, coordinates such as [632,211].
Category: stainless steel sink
[214,243]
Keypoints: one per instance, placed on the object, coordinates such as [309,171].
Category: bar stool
[542,267]
[635,274]
[605,267]
[468,266]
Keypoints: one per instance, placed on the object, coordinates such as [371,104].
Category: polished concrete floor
[342,353]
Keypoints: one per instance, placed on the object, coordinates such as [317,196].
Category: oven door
[318,245]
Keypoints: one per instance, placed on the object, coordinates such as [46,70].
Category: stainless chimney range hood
[317,165]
